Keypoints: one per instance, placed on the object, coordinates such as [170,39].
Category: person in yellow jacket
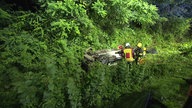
[128,54]
[142,58]
[138,53]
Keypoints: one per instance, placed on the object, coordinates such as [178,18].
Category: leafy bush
[41,54]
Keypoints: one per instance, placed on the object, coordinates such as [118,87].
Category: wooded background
[42,43]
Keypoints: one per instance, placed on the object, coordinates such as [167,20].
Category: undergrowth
[41,54]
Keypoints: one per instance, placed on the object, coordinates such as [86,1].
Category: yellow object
[139,45]
[144,51]
[141,61]
[128,54]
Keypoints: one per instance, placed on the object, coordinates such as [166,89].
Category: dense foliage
[41,52]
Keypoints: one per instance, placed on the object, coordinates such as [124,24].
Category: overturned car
[105,56]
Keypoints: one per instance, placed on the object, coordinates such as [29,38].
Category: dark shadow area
[26,5]
[144,99]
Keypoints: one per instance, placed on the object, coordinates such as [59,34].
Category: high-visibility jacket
[128,53]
